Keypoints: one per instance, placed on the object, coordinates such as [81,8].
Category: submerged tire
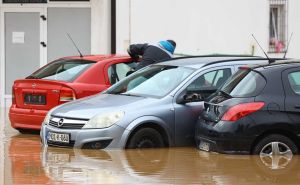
[275,144]
[146,138]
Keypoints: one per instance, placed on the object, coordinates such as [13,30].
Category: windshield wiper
[129,94]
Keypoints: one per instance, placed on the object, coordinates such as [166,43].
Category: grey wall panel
[76,22]
[21,59]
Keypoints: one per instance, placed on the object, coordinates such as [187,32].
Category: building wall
[201,26]
[294,27]
[99,27]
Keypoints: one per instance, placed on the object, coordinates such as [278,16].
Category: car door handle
[297,106]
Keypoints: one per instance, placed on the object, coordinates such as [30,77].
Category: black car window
[245,83]
[117,72]
[209,81]
[63,70]
[294,80]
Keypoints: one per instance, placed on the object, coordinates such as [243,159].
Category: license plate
[204,146]
[58,158]
[58,137]
[36,99]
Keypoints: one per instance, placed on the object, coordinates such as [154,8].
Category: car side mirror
[186,98]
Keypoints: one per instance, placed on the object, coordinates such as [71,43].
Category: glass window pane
[65,70]
[294,79]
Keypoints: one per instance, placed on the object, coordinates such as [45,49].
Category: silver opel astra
[156,106]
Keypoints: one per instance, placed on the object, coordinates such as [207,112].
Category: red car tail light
[66,94]
[13,96]
[241,110]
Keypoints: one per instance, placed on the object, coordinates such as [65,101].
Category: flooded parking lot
[25,161]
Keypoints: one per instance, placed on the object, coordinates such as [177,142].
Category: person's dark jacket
[150,54]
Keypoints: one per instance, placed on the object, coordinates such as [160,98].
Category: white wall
[294,26]
[100,26]
[202,26]
[123,27]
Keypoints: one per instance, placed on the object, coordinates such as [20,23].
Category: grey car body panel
[177,120]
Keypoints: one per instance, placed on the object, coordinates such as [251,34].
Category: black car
[257,111]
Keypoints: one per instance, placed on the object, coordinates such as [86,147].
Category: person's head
[168,45]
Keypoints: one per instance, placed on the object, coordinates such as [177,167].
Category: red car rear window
[62,70]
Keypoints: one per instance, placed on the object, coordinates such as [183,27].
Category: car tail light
[13,96]
[66,94]
[241,110]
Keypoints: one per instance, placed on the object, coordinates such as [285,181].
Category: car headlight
[104,120]
[48,116]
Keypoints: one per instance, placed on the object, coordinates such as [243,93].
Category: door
[23,51]
[73,21]
[186,114]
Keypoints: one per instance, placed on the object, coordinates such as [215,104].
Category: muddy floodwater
[24,161]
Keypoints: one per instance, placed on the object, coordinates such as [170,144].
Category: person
[151,53]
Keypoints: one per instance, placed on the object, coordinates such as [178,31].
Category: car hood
[88,107]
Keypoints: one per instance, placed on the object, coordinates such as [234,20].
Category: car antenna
[287,48]
[270,61]
[75,45]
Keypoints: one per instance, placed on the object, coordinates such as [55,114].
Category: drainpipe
[113,27]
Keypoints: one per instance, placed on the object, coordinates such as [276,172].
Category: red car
[61,81]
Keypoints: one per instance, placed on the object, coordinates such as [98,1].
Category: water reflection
[32,164]
[25,157]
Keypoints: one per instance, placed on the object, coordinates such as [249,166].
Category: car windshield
[154,81]
[245,83]
[63,70]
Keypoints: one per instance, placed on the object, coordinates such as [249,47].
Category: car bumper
[223,137]
[87,138]
[26,118]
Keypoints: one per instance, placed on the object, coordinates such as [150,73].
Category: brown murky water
[25,161]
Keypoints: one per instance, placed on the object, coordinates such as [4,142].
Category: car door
[186,114]
[291,82]
[118,71]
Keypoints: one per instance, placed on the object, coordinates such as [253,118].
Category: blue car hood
[88,107]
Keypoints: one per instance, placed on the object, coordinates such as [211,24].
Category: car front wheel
[146,138]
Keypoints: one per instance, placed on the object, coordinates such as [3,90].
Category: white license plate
[58,158]
[58,137]
[204,146]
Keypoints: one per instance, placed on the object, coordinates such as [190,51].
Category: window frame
[278,27]
[178,93]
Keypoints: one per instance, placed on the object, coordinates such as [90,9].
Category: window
[294,79]
[153,81]
[64,70]
[24,1]
[278,26]
[39,1]
[117,72]
[244,83]
[209,81]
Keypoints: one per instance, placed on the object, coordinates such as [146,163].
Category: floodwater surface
[25,161]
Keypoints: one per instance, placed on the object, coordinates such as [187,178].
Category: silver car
[156,106]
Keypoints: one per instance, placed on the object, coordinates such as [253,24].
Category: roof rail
[231,60]
[212,55]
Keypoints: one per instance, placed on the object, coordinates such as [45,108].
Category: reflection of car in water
[167,166]
[25,156]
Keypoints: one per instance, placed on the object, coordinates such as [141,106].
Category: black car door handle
[297,106]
